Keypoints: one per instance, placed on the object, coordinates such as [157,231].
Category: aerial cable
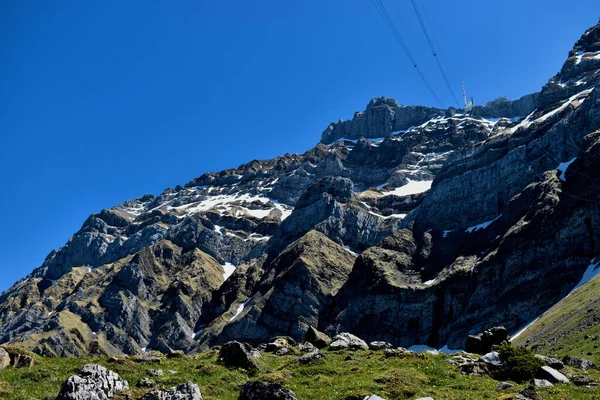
[392,27]
[437,59]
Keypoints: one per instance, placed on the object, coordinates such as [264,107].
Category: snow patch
[422,347]
[429,282]
[412,187]
[562,167]
[229,268]
[590,272]
[240,309]
[483,225]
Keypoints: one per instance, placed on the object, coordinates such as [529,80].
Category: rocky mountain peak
[427,224]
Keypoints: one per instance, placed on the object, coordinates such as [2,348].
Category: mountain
[413,225]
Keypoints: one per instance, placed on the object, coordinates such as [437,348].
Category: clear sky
[103,101]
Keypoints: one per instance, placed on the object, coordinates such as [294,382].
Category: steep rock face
[294,293]
[152,298]
[382,117]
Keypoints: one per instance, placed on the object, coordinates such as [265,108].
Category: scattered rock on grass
[234,354]
[318,338]
[94,382]
[260,390]
[185,391]
[348,341]
[552,375]
[577,362]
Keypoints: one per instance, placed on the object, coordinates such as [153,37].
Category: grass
[563,328]
[335,378]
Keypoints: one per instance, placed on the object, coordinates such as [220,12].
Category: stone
[4,358]
[146,383]
[234,354]
[483,342]
[577,362]
[260,390]
[373,397]
[176,354]
[529,393]
[284,351]
[307,347]
[154,372]
[379,345]
[505,385]
[551,362]
[347,341]
[580,380]
[542,383]
[93,382]
[425,398]
[492,360]
[311,357]
[317,338]
[551,375]
[185,391]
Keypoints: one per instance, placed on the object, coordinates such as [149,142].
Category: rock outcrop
[185,391]
[260,390]
[93,382]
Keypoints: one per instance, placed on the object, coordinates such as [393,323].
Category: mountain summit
[408,224]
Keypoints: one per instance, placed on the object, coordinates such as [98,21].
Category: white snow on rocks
[412,187]
[483,225]
[562,167]
[240,309]
[229,268]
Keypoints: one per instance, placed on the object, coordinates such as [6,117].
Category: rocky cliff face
[407,224]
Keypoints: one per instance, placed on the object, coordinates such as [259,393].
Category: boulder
[542,383]
[317,338]
[483,342]
[348,341]
[185,391]
[580,380]
[146,383]
[529,393]
[234,354]
[492,360]
[4,358]
[260,390]
[379,345]
[551,362]
[155,372]
[505,386]
[373,397]
[577,362]
[307,347]
[551,375]
[311,357]
[94,382]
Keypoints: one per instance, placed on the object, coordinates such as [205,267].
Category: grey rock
[311,357]
[317,338]
[155,372]
[307,347]
[492,360]
[482,343]
[551,362]
[4,358]
[551,375]
[577,362]
[580,380]
[185,391]
[146,383]
[346,340]
[505,385]
[542,383]
[380,345]
[260,390]
[94,382]
[234,354]
[373,397]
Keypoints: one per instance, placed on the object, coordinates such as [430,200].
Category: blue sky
[106,101]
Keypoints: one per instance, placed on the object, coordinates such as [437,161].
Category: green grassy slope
[563,329]
[333,379]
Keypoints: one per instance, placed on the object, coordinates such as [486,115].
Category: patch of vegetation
[570,327]
[333,378]
[520,363]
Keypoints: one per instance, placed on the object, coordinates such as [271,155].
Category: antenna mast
[469,105]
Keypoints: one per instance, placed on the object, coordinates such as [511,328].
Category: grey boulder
[577,362]
[348,341]
[551,375]
[94,382]
[234,354]
[260,390]
[185,391]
